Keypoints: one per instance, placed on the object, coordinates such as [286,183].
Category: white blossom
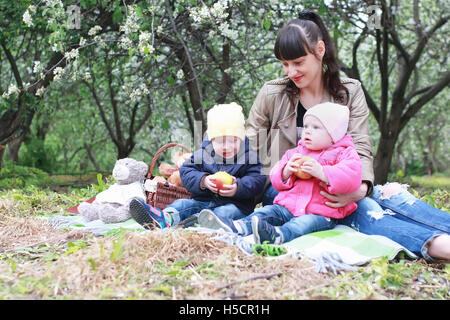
[72,54]
[131,24]
[94,30]
[58,73]
[40,91]
[226,31]
[144,46]
[144,37]
[54,3]
[37,67]
[12,90]
[55,47]
[180,74]
[82,42]
[125,43]
[147,49]
[144,89]
[27,19]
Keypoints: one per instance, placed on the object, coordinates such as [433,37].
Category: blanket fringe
[326,261]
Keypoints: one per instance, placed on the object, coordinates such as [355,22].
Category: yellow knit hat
[226,120]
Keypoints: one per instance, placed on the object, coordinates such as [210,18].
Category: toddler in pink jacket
[299,208]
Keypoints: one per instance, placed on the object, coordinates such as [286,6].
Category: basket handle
[158,153]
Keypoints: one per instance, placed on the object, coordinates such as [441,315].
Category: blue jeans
[402,218]
[286,224]
[184,208]
[269,194]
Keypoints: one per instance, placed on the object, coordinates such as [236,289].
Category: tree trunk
[124,150]
[383,158]
[14,147]
[2,151]
[92,157]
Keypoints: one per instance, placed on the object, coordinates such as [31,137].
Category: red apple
[300,174]
[221,178]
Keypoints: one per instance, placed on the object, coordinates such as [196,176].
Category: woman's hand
[341,200]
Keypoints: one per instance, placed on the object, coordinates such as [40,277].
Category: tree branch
[427,96]
[13,64]
[188,56]
[370,102]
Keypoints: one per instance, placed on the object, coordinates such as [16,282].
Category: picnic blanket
[337,249]
[97,227]
[345,246]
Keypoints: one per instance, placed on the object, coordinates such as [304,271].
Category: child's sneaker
[146,215]
[264,232]
[209,219]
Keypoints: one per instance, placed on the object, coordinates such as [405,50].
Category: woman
[308,57]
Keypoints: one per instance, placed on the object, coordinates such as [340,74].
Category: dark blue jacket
[245,166]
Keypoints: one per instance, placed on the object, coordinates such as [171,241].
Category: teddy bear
[112,204]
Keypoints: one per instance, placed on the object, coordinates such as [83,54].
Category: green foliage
[35,153]
[75,246]
[117,253]
[16,176]
[384,279]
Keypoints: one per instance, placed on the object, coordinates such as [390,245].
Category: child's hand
[209,183]
[314,168]
[229,190]
[291,166]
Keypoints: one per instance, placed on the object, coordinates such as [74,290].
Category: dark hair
[300,36]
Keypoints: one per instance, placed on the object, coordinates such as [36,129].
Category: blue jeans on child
[401,217]
[184,208]
[286,224]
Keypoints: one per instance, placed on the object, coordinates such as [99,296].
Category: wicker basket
[165,193]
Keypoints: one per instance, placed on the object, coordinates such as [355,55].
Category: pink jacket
[341,165]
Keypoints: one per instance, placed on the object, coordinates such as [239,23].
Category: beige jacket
[273,122]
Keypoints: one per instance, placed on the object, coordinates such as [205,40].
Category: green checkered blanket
[353,247]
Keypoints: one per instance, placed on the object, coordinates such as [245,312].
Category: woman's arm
[358,128]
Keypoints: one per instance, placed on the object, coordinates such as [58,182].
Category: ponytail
[308,29]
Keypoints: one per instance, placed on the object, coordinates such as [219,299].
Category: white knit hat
[226,120]
[333,116]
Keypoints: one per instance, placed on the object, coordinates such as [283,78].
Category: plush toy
[111,205]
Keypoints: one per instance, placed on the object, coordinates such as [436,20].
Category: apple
[221,178]
[300,174]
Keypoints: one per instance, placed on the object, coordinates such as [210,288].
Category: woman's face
[304,70]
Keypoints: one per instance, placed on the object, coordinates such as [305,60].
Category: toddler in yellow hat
[225,151]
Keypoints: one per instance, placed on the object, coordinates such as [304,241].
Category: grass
[39,262]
